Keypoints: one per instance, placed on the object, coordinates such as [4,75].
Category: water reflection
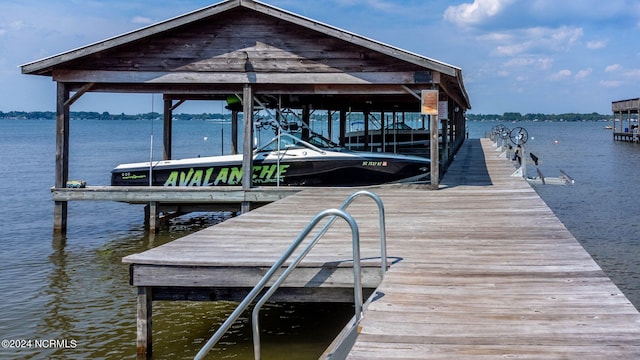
[87,298]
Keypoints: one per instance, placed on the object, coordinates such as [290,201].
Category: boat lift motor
[519,137]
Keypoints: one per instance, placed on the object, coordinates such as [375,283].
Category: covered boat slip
[254,56]
[481,268]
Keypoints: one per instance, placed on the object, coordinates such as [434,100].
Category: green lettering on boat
[236,176]
[196,180]
[207,177]
[184,178]
[222,177]
[172,180]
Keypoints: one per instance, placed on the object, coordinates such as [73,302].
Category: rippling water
[76,288]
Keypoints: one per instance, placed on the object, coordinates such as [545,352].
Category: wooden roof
[212,52]
[629,105]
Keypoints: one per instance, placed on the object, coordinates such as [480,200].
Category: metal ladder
[357,283]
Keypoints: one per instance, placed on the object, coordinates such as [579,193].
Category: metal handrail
[357,278]
[381,216]
[334,213]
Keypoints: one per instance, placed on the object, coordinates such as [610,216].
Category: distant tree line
[89,115]
[516,116]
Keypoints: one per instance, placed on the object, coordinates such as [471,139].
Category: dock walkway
[481,268]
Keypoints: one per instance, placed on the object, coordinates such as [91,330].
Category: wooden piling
[144,343]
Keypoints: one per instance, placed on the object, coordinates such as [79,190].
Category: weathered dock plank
[481,268]
[492,273]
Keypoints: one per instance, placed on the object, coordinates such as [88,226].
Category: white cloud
[633,73]
[611,83]
[538,39]
[613,68]
[512,49]
[16,25]
[469,14]
[583,73]
[537,63]
[564,35]
[596,44]
[560,75]
[141,20]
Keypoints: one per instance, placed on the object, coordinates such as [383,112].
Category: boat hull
[291,170]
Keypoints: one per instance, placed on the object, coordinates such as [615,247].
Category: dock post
[151,216]
[62,156]
[247,144]
[435,153]
[143,323]
[445,141]
[167,129]
[234,132]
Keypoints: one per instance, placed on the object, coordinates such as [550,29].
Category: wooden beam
[78,94]
[175,106]
[194,77]
[168,195]
[62,156]
[411,92]
[247,275]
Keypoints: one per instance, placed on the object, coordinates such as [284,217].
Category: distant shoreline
[85,115]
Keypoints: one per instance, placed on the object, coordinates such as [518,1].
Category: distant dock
[481,268]
[625,120]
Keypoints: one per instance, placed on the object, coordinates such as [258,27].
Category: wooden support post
[435,153]
[343,126]
[445,141]
[306,123]
[382,132]
[366,131]
[329,125]
[144,342]
[62,156]
[151,216]
[234,132]
[167,129]
[247,144]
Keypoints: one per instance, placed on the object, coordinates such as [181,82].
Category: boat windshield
[321,141]
[293,141]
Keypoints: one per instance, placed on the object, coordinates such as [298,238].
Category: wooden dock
[492,273]
[627,136]
[481,268]
[625,119]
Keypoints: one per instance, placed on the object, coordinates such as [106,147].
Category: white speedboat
[285,160]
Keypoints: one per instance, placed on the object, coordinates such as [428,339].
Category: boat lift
[518,137]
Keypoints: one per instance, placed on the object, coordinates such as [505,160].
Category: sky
[527,56]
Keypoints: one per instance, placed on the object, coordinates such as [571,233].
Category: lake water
[75,290]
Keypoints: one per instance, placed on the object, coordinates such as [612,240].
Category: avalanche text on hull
[285,160]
